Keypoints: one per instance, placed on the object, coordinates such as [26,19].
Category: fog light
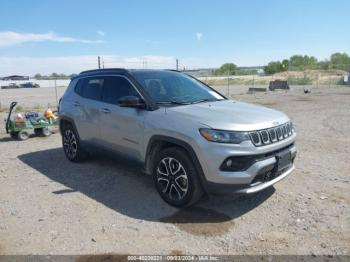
[229,163]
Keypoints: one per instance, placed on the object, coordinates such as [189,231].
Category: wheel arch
[63,121]
[161,142]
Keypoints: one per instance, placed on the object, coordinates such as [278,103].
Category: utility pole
[103,63]
[99,62]
[56,93]
[177,64]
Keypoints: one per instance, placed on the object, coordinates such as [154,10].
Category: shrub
[299,81]
[228,68]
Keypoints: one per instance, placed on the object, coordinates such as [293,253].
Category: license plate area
[284,160]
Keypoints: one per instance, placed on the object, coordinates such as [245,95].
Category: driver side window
[116,87]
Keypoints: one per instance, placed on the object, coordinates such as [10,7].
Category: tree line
[294,63]
[53,76]
[339,61]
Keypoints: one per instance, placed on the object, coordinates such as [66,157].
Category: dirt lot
[51,206]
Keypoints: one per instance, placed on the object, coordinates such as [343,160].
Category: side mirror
[131,101]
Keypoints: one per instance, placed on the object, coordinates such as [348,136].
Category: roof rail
[103,70]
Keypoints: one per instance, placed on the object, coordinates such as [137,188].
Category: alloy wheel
[70,144]
[172,178]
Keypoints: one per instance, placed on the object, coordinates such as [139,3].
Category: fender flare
[71,121]
[157,140]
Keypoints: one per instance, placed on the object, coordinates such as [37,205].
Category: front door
[121,128]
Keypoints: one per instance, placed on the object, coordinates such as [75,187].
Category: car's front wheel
[72,146]
[176,178]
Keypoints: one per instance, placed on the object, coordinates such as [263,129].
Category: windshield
[169,87]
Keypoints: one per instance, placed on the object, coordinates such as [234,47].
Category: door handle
[106,110]
[76,104]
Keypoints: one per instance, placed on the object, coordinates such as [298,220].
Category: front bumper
[262,173]
[263,185]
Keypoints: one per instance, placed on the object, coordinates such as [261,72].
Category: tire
[46,132]
[71,145]
[175,177]
[23,135]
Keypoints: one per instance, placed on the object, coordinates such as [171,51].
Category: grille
[255,138]
[265,137]
[272,135]
[279,133]
[285,133]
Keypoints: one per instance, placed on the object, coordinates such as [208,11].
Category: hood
[230,115]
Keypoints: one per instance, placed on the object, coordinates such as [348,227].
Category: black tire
[176,177]
[71,145]
[14,135]
[23,135]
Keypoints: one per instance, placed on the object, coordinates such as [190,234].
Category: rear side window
[79,87]
[90,88]
[115,87]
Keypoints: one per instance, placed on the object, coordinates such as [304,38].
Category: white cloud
[199,35]
[13,38]
[76,64]
[101,33]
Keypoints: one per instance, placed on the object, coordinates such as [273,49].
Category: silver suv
[189,137]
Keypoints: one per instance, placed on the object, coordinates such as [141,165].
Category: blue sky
[64,36]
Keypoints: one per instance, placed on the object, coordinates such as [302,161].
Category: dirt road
[51,206]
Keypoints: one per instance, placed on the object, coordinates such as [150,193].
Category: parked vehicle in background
[29,85]
[189,137]
[10,86]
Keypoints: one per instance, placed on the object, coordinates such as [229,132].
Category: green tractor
[22,127]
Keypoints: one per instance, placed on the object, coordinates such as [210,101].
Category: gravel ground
[51,206]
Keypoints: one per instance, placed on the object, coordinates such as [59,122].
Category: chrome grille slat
[271,135]
[279,133]
[255,137]
[285,133]
[265,137]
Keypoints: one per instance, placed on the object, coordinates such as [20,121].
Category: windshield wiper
[203,100]
[172,103]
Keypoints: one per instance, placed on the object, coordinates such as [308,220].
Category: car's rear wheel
[176,178]
[72,146]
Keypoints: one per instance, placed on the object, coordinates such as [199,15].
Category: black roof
[115,70]
[103,71]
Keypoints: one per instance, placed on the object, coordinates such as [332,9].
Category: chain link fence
[306,79]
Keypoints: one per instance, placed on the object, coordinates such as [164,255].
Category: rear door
[88,104]
[121,127]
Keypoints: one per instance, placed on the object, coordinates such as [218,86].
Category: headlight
[220,136]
